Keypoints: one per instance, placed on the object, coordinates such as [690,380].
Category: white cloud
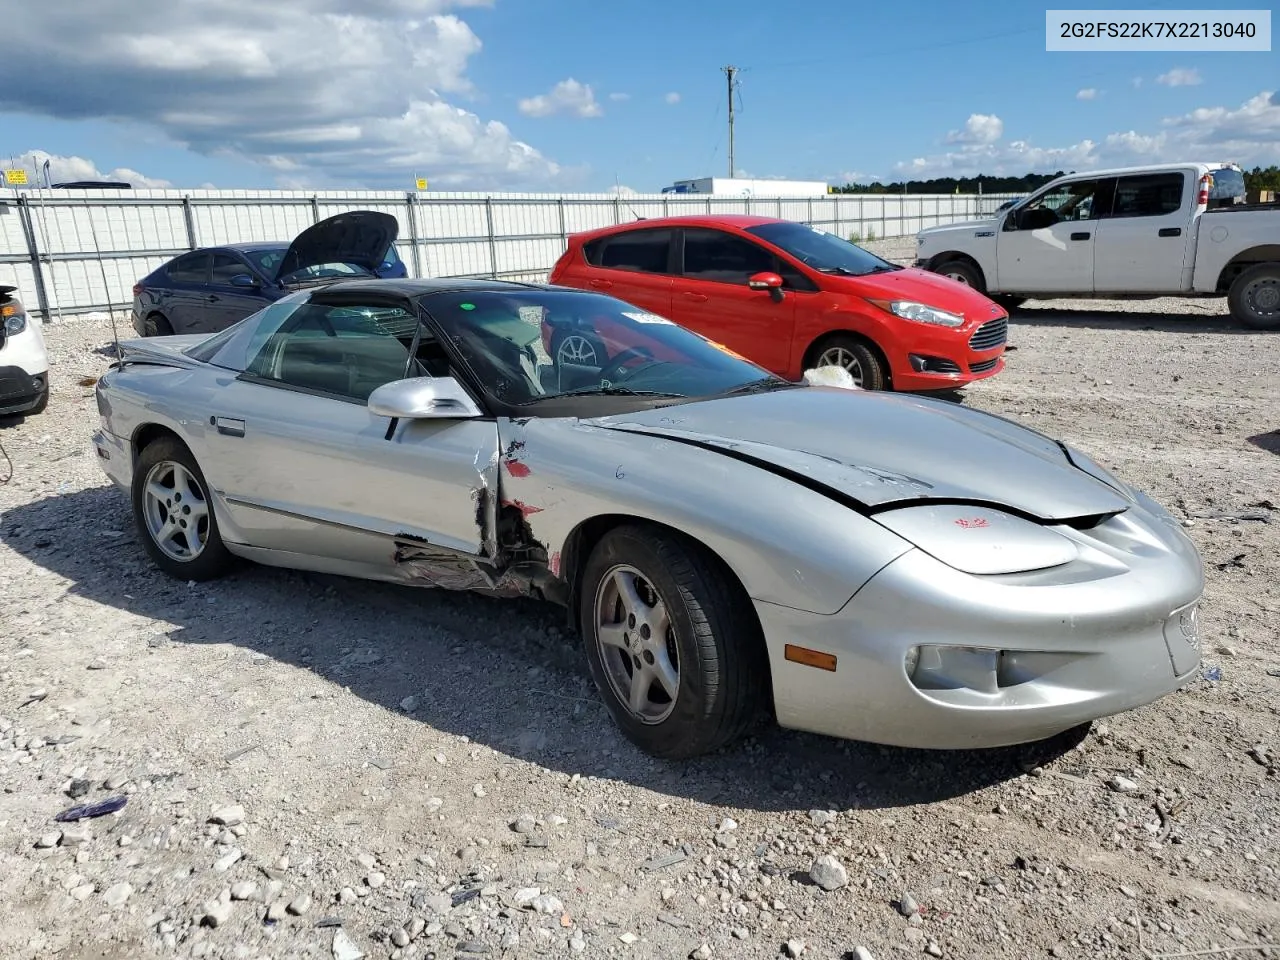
[1180,77]
[567,96]
[621,190]
[1248,134]
[63,169]
[1088,93]
[979,128]
[327,93]
[619,97]
[672,97]
[852,176]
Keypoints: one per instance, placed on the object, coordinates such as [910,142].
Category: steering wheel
[615,366]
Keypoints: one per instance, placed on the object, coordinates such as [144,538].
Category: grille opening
[990,335]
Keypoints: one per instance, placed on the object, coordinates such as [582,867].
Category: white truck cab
[1179,229]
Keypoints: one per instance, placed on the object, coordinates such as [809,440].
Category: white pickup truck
[1178,229]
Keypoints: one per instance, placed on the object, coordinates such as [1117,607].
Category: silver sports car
[729,545]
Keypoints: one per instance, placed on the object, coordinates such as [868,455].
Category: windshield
[530,347]
[820,250]
[268,261]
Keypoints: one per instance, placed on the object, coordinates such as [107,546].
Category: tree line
[1258,178]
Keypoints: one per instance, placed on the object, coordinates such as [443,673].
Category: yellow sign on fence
[422,183]
[16,178]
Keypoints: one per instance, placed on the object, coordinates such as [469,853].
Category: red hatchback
[788,297]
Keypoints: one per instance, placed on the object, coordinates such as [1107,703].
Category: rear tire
[862,363]
[705,643]
[962,271]
[157,325]
[174,513]
[1254,297]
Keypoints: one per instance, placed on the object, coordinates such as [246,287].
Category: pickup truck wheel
[961,271]
[1254,297]
[1009,303]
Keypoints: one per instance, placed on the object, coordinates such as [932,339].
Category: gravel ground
[317,767]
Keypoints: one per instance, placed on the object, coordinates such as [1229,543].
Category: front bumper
[115,458]
[944,359]
[21,391]
[1023,657]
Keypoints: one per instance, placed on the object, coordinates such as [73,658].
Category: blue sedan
[210,289]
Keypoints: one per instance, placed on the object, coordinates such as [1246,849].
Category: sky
[583,95]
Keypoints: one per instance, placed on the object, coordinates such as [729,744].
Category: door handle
[696,297]
[1170,231]
[1081,236]
[228,426]
[602,284]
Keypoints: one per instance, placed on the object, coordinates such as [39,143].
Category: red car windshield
[530,346]
[822,251]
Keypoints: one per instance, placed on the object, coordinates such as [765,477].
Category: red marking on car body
[517,469]
[970,523]
[555,564]
[524,508]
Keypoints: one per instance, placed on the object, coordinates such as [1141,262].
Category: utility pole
[730,73]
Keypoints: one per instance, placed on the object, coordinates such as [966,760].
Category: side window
[342,351]
[1149,195]
[191,268]
[225,267]
[641,251]
[1073,201]
[723,257]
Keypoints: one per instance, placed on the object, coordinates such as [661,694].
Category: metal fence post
[411,199]
[617,209]
[315,209]
[33,248]
[190,219]
[564,233]
[493,244]
[666,207]
[809,210]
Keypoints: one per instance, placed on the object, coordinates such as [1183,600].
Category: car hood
[961,225]
[931,289]
[881,450]
[359,237]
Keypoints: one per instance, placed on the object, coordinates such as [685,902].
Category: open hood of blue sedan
[881,450]
[359,237]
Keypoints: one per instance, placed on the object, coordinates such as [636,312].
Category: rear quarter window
[640,251]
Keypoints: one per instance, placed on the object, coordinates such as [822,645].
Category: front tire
[579,349]
[962,271]
[174,513]
[862,363]
[1254,298]
[672,643]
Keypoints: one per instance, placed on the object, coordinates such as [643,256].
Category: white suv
[24,364]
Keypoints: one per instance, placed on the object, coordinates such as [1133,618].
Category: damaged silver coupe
[729,545]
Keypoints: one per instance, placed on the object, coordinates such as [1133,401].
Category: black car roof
[417,287]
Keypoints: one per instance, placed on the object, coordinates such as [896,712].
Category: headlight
[919,312]
[15,323]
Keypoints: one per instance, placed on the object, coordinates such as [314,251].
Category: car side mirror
[423,398]
[767,281]
[243,280]
[1011,220]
